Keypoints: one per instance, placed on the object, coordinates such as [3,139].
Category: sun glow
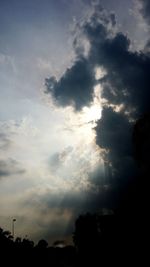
[93,113]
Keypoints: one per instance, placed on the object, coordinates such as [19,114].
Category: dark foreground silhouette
[120,238]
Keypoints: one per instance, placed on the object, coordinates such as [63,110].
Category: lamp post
[13,228]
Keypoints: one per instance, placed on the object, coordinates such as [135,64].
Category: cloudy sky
[74,77]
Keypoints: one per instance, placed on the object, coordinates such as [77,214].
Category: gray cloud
[10,167]
[59,158]
[145,9]
[5,142]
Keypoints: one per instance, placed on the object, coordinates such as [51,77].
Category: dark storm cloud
[127,84]
[75,87]
[127,80]
[114,132]
[10,167]
[125,90]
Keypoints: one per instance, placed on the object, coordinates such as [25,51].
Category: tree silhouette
[6,239]
[42,244]
[87,231]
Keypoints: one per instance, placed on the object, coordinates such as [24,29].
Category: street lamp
[13,228]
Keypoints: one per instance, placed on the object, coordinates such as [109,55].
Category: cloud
[114,135]
[10,167]
[125,88]
[72,166]
[145,9]
[59,158]
[127,80]
[75,87]
[5,142]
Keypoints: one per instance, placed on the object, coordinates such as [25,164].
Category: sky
[74,77]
